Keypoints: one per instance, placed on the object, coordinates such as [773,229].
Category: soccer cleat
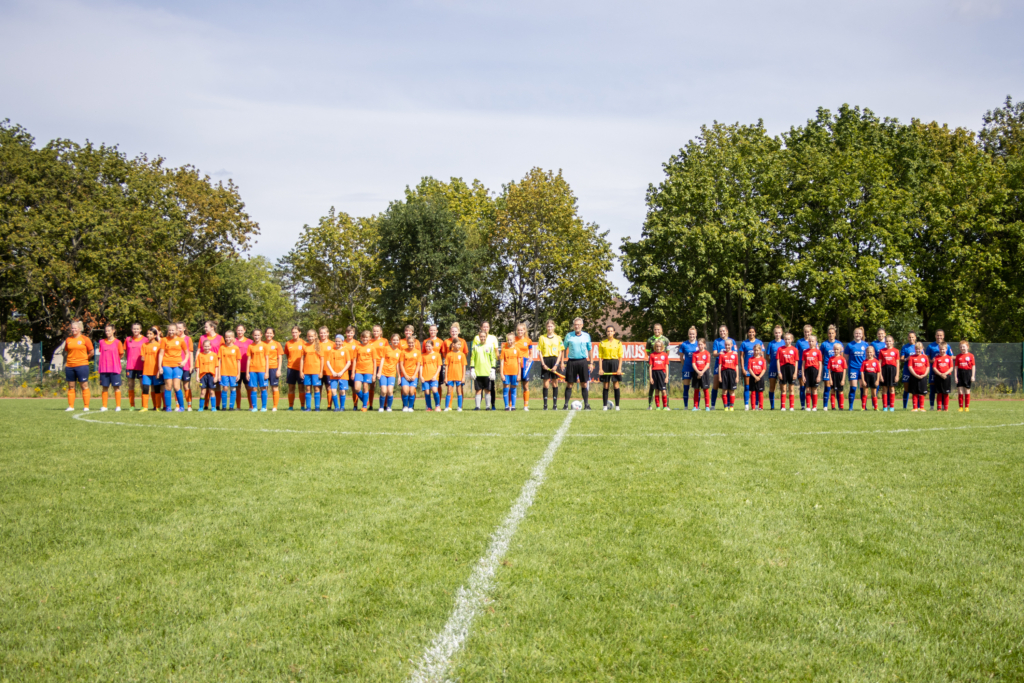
[960,410]
[103,409]
[85,409]
[605,408]
[252,410]
[814,410]
[69,409]
[616,407]
[448,410]
[694,409]
[746,406]
[825,409]
[380,410]
[363,409]
[141,410]
[526,408]
[289,408]
[387,410]
[262,410]
[967,409]
[666,408]
[458,410]
[117,409]
[190,409]
[273,410]
[707,410]
[649,407]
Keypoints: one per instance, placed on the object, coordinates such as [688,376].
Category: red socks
[657,401]
[814,400]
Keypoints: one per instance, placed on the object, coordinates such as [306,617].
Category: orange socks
[103,396]
[71,397]
[131,396]
[117,397]
[145,400]
[85,395]
[277,396]
[526,395]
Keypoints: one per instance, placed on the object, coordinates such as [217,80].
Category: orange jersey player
[430,371]
[387,372]
[78,350]
[293,349]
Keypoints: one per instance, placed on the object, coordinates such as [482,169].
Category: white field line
[470,597]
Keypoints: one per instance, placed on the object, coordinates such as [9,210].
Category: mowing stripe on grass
[470,597]
[821,433]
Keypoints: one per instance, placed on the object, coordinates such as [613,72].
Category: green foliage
[247,291]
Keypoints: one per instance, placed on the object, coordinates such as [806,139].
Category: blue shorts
[364,377]
[172,373]
[387,381]
[311,380]
[906,376]
[229,381]
[207,381]
[134,374]
[108,379]
[294,376]
[258,380]
[79,374]
[687,373]
[511,380]
[853,375]
[151,381]
[431,385]
[340,384]
[825,376]
[455,384]
[273,381]
[524,373]
[408,383]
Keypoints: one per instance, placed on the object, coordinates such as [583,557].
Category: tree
[551,263]
[246,291]
[332,271]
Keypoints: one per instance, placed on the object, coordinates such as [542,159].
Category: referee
[578,349]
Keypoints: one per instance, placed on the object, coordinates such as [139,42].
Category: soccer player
[151,381]
[352,346]
[788,358]
[379,343]
[870,369]
[578,363]
[337,360]
[828,349]
[493,341]
[610,351]
[457,344]
[172,350]
[919,367]
[511,368]
[717,347]
[550,348]
[275,358]
[259,370]
[482,361]
[965,369]
[455,369]
[324,337]
[747,347]
[802,345]
[208,366]
[890,359]
[110,351]
[879,342]
[657,375]
[293,349]
[410,341]
[311,367]
[133,361]
[685,351]
[229,359]
[701,379]
[78,350]
[772,352]
[855,353]
[187,365]
[409,361]
[812,362]
[837,374]
[364,356]
[658,335]
[525,348]
[728,369]
[243,344]
[387,372]
[431,365]
[216,341]
[943,366]
[932,350]
[757,368]
[906,351]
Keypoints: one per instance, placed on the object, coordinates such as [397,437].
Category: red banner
[631,351]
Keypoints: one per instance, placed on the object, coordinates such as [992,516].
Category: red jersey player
[890,359]
[701,379]
[870,369]
[758,368]
[788,356]
[964,375]
[812,371]
[918,365]
[837,374]
[728,367]
[943,365]
[657,374]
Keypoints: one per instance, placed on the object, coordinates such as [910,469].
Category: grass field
[660,546]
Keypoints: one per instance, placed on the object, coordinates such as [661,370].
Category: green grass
[663,546]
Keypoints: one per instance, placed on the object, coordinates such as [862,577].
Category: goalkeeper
[658,336]
[482,364]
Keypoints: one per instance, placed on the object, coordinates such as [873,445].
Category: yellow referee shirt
[609,349]
[549,347]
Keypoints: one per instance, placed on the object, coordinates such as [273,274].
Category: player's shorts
[871,380]
[311,380]
[229,381]
[364,377]
[837,383]
[409,383]
[943,385]
[172,373]
[386,381]
[853,374]
[728,379]
[207,381]
[454,383]
[549,362]
[524,374]
[510,380]
[577,370]
[888,376]
[811,378]
[186,376]
[756,384]
[787,374]
[293,376]
[440,376]
[243,380]
[825,374]
[338,384]
[919,385]
[258,380]
[963,378]
[608,368]
[110,379]
[273,380]
[134,374]
[701,381]
[151,381]
[659,380]
[687,372]
[480,383]
[773,369]
[906,375]
[430,386]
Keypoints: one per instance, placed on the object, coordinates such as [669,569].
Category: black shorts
[963,378]
[440,377]
[137,374]
[943,385]
[294,376]
[207,381]
[787,374]
[658,380]
[889,376]
[701,381]
[577,370]
[273,381]
[811,378]
[243,379]
[608,367]
[728,379]
[186,376]
[756,384]
[482,383]
[919,385]
[549,362]
[871,380]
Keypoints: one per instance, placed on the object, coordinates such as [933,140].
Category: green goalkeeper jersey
[651,340]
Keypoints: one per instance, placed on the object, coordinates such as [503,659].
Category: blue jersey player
[931,351]
[856,351]
[801,346]
[828,350]
[747,347]
[772,352]
[717,348]
[906,351]
[685,350]
[879,342]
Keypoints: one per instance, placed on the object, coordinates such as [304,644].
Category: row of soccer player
[876,368]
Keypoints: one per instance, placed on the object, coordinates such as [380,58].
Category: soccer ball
[576,405]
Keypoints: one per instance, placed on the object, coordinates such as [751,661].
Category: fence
[22,361]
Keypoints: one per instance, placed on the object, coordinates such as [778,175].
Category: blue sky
[309,105]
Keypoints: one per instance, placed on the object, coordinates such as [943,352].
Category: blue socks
[826,395]
[512,391]
[426,399]
[168,403]
[316,400]
[746,395]
[180,395]
[906,397]
[714,397]
[803,397]
[771,399]
[686,397]
[504,395]
[263,398]
[931,396]
[459,399]
[437,399]
[853,397]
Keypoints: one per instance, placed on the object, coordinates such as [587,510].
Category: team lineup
[159,369]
